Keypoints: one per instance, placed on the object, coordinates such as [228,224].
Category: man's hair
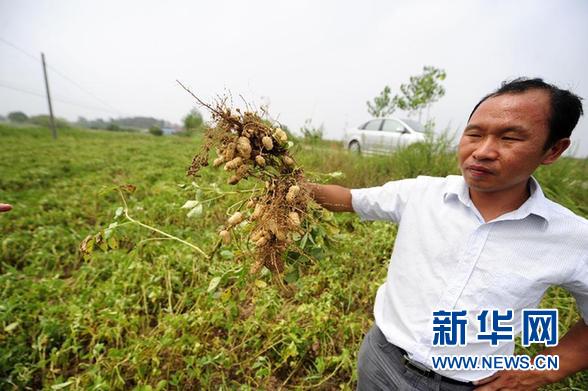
[566,107]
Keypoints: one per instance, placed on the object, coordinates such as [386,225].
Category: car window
[391,125]
[373,125]
[415,125]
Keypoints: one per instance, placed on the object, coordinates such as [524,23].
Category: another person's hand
[5,207]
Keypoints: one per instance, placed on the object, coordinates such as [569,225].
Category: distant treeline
[124,123]
[129,124]
[41,120]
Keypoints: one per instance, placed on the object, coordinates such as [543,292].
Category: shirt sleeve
[578,287]
[385,202]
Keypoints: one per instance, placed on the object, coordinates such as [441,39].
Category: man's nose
[487,149]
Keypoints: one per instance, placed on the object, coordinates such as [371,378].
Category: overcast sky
[307,59]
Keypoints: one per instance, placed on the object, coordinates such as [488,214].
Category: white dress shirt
[446,257]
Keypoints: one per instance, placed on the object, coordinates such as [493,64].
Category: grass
[154,314]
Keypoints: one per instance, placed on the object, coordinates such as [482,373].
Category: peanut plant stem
[126,211]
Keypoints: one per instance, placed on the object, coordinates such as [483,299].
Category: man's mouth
[479,171]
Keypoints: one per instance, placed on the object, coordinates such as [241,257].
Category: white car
[383,135]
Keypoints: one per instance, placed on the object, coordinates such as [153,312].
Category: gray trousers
[380,367]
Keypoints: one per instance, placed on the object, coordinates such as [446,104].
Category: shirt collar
[536,204]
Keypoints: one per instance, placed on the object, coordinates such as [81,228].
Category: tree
[156,130]
[193,120]
[421,91]
[382,105]
[17,116]
[45,121]
[113,127]
[82,122]
[312,133]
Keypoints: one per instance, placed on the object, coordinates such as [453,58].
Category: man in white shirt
[486,240]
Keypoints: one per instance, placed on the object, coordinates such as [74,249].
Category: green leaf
[119,211]
[98,348]
[227,254]
[260,284]
[113,242]
[291,277]
[61,385]
[190,204]
[290,351]
[11,327]
[317,252]
[215,187]
[103,245]
[213,284]
[196,211]
[87,245]
[303,241]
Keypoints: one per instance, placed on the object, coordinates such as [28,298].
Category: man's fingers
[491,383]
[487,379]
[5,207]
[489,387]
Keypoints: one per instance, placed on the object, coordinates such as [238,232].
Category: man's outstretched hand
[5,207]
[332,197]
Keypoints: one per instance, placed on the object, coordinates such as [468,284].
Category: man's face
[503,142]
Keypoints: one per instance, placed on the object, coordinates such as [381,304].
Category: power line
[2,85]
[12,86]
[19,49]
[62,75]
[21,90]
[84,90]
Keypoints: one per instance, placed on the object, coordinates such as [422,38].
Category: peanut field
[98,293]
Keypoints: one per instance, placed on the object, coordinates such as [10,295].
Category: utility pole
[51,119]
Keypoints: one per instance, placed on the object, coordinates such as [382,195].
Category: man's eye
[473,135]
[511,139]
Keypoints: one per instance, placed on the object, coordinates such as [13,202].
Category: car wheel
[354,147]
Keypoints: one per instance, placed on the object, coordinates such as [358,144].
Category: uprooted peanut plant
[251,148]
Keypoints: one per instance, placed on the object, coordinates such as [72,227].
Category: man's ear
[553,153]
